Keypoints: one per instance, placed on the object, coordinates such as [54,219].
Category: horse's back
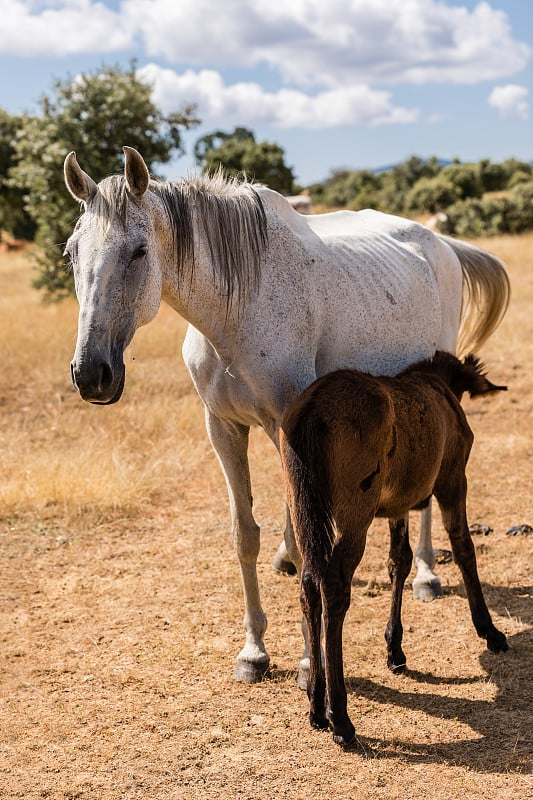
[365,277]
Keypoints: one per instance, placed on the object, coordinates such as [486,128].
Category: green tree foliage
[13,217]
[94,115]
[238,153]
[465,192]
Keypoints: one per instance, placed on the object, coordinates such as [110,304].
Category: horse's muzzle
[99,383]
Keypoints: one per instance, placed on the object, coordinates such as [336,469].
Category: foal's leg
[426,585]
[336,590]
[311,601]
[230,442]
[452,501]
[400,560]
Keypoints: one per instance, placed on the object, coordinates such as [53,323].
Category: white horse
[274,299]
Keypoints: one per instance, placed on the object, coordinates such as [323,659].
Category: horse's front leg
[230,443]
[426,585]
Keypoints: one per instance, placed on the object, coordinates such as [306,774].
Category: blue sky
[338,84]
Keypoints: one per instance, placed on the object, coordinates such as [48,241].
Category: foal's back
[385,440]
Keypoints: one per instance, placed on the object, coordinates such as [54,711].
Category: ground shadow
[503,725]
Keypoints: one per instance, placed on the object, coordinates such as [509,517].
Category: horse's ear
[136,172]
[80,185]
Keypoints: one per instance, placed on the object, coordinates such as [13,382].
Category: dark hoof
[283,566]
[345,736]
[397,665]
[318,721]
[246,672]
[497,642]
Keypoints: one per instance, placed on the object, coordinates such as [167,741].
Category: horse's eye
[139,253]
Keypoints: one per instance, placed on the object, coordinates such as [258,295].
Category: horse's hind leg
[230,442]
[400,560]
[294,558]
[282,561]
[452,500]
[426,585]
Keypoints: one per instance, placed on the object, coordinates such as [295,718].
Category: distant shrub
[492,177]
[465,178]
[431,195]
[491,215]
[521,176]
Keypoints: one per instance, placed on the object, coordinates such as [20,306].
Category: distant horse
[273,299]
[355,447]
[300,202]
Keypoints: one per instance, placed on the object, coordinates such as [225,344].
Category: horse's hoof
[397,665]
[283,565]
[345,737]
[497,642]
[247,672]
[301,680]
[427,591]
[320,723]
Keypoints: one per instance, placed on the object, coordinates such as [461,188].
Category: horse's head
[116,272]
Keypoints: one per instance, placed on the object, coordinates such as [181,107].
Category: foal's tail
[486,293]
[304,460]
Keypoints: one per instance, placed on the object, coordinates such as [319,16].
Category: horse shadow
[503,724]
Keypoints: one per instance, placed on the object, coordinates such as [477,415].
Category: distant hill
[442,162]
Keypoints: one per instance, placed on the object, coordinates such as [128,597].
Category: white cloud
[249,104]
[510,101]
[319,44]
[310,43]
[60,28]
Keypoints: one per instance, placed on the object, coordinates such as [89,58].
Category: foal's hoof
[427,591]
[397,665]
[497,642]
[318,721]
[247,672]
[283,565]
[345,735]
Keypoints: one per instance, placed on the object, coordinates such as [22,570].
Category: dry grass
[121,606]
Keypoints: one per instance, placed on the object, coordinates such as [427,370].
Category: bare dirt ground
[121,606]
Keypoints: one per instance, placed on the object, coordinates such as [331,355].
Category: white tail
[486,294]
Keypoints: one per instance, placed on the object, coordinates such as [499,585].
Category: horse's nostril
[106,376]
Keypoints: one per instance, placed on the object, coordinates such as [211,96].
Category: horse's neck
[199,294]
[195,295]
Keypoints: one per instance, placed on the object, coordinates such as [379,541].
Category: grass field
[121,606]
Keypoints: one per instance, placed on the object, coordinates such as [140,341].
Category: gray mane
[230,214]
